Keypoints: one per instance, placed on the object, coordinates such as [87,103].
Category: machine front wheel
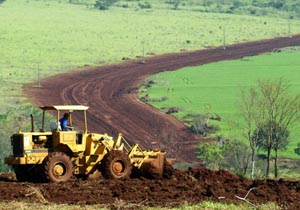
[58,167]
[116,165]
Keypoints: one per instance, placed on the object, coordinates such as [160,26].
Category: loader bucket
[153,167]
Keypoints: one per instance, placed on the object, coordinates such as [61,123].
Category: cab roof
[65,107]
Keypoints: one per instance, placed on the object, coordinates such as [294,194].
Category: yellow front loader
[55,155]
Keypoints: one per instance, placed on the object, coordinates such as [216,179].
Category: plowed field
[110,91]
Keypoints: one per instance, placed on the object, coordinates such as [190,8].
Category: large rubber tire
[116,165]
[58,167]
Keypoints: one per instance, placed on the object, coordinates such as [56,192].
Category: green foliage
[254,7]
[1,1]
[104,4]
[200,125]
[232,155]
[237,157]
[279,137]
[297,150]
[175,3]
[145,5]
[211,155]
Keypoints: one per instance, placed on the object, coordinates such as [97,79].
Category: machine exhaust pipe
[32,123]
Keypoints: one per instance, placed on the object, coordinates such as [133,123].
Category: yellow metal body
[86,150]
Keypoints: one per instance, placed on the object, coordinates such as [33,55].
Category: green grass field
[42,38]
[39,38]
[218,86]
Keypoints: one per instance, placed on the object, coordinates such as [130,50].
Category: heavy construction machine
[55,155]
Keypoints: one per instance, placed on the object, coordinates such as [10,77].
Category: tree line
[291,8]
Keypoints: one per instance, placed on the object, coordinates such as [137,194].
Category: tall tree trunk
[268,161]
[275,164]
[269,147]
[253,162]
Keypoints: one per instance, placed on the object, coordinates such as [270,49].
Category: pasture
[43,38]
[216,89]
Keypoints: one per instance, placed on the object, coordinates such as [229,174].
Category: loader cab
[60,111]
[71,137]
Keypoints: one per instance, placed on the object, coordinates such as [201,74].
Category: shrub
[145,5]
[200,126]
[104,4]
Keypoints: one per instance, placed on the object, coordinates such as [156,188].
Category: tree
[277,112]
[297,149]
[232,155]
[253,116]
[175,3]
[104,4]
[279,140]
[210,154]
[236,157]
[281,110]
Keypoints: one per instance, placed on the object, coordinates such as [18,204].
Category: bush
[145,5]
[104,4]
[200,126]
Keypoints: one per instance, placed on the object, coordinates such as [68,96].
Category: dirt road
[110,92]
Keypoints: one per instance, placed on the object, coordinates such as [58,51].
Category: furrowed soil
[111,93]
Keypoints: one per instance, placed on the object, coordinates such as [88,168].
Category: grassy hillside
[39,38]
[42,38]
[217,88]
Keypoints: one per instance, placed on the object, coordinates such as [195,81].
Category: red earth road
[110,92]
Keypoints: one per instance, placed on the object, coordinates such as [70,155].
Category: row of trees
[269,112]
[254,7]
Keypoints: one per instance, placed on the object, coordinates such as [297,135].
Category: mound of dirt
[178,187]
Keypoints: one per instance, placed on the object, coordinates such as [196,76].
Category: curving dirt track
[110,93]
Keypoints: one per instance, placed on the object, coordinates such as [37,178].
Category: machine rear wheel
[58,167]
[116,165]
